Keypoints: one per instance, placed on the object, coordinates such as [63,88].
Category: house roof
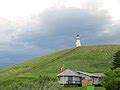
[68,72]
[99,74]
[91,74]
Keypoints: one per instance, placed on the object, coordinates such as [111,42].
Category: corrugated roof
[68,72]
[99,74]
[92,74]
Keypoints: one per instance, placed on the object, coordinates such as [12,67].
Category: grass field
[84,58]
[80,88]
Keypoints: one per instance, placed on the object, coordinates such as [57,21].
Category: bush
[111,80]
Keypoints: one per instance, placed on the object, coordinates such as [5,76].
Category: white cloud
[113,7]
[12,9]
[23,8]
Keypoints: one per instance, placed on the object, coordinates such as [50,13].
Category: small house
[69,77]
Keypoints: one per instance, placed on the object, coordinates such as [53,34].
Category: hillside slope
[85,58]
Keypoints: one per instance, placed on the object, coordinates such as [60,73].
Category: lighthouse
[78,43]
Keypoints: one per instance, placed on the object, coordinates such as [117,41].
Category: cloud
[55,28]
[112,30]
[62,24]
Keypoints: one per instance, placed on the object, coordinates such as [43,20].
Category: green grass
[72,88]
[86,58]
[81,88]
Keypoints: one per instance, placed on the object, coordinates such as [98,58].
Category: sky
[30,28]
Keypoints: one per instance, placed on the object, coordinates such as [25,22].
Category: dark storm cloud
[63,24]
[56,29]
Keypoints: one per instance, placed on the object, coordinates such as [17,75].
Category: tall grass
[41,83]
[33,86]
[85,58]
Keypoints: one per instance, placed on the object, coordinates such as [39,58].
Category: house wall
[76,80]
[96,80]
[64,80]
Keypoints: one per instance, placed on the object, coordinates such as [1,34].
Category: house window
[95,79]
[70,78]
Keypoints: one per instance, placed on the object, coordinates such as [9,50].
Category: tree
[111,80]
[116,61]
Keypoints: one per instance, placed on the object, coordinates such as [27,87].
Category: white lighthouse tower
[78,43]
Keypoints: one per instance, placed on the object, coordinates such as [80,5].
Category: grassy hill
[86,58]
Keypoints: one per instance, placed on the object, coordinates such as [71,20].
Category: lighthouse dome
[78,36]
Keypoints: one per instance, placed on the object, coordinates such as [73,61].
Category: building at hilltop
[78,43]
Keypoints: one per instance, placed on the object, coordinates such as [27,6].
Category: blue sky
[30,28]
